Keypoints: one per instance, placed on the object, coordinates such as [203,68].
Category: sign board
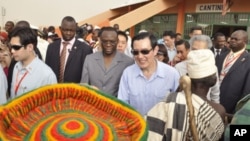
[209,7]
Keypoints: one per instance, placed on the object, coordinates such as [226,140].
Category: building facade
[204,13]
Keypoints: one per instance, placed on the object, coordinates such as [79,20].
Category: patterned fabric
[169,120]
[70,112]
[62,61]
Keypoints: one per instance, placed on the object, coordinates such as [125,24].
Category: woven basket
[70,112]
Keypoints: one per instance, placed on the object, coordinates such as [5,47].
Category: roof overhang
[128,3]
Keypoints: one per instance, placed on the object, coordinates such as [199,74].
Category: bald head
[243,35]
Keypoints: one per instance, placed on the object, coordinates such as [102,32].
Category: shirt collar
[238,52]
[71,42]
[30,68]
[217,49]
[158,73]
[170,49]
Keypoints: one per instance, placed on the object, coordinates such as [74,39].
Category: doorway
[227,30]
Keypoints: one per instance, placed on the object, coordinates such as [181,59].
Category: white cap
[201,63]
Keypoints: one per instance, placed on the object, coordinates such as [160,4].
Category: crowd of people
[142,71]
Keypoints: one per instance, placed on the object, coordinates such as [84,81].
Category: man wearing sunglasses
[148,81]
[29,72]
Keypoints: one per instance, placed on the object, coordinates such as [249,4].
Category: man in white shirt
[29,72]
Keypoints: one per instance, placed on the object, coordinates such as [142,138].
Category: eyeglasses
[144,51]
[16,47]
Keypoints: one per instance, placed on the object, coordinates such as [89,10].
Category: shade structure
[70,112]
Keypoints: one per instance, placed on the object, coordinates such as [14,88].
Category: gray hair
[203,38]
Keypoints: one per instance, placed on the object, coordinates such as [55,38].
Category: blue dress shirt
[142,93]
[38,75]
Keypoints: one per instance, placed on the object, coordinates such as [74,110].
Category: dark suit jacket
[236,83]
[74,64]
[223,54]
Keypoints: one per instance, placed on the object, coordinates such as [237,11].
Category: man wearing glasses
[29,72]
[103,69]
[148,81]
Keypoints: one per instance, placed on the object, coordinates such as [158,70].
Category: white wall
[51,12]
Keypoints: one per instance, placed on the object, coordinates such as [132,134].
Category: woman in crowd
[5,58]
[162,54]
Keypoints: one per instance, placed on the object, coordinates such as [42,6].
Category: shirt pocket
[135,92]
[161,93]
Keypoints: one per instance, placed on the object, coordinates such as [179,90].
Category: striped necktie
[62,62]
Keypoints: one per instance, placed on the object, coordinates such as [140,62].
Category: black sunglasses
[144,51]
[16,47]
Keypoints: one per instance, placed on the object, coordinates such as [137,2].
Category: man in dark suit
[235,73]
[219,50]
[68,69]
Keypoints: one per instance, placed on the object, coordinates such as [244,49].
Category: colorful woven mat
[70,112]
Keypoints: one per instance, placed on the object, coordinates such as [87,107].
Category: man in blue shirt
[29,72]
[148,81]
[169,42]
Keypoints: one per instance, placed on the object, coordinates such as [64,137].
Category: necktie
[62,61]
[217,55]
[217,52]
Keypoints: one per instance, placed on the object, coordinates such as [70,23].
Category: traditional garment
[214,91]
[169,120]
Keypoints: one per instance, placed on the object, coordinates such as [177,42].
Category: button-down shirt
[142,93]
[171,53]
[38,74]
[69,48]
